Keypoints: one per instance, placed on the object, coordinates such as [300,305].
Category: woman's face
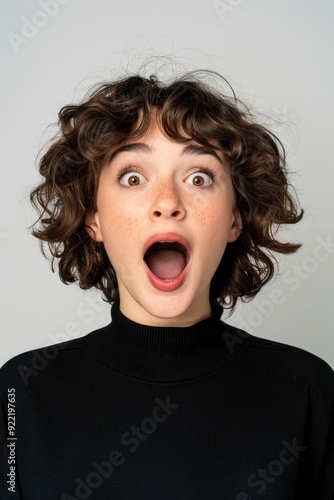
[165,212]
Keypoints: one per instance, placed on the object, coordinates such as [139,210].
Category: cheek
[120,230]
[213,215]
[118,218]
[208,217]
[213,223]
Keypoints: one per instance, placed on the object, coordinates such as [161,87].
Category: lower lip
[167,286]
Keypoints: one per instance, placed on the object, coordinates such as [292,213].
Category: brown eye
[132,179]
[199,179]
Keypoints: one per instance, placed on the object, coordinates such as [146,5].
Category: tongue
[166,264]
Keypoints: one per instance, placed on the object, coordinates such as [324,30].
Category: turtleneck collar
[163,354]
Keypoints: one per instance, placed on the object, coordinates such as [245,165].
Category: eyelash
[126,170]
[204,170]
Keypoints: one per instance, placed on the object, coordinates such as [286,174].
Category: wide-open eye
[132,179]
[199,179]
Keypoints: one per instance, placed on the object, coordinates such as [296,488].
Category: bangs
[185,111]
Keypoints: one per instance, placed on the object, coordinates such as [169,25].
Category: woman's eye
[132,179]
[199,179]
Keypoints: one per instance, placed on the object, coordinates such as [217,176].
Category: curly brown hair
[115,112]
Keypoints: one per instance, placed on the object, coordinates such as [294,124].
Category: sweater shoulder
[22,369]
[17,371]
[298,362]
[26,356]
[293,354]
[284,361]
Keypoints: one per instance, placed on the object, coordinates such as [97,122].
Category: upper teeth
[166,241]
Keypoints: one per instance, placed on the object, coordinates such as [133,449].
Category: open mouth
[167,259]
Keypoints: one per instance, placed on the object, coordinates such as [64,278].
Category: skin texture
[162,195]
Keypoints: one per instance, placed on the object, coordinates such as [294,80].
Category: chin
[179,310]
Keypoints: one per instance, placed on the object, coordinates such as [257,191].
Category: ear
[93,227]
[236,227]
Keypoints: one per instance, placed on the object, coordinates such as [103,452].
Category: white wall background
[278,56]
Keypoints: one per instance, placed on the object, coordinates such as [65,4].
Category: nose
[167,203]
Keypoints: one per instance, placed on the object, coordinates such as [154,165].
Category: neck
[167,315]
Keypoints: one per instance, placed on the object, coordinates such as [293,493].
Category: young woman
[167,199]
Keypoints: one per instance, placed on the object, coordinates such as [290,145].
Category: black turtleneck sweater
[136,412]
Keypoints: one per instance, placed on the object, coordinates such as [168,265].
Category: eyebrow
[141,147]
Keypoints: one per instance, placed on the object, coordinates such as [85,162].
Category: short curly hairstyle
[117,111]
